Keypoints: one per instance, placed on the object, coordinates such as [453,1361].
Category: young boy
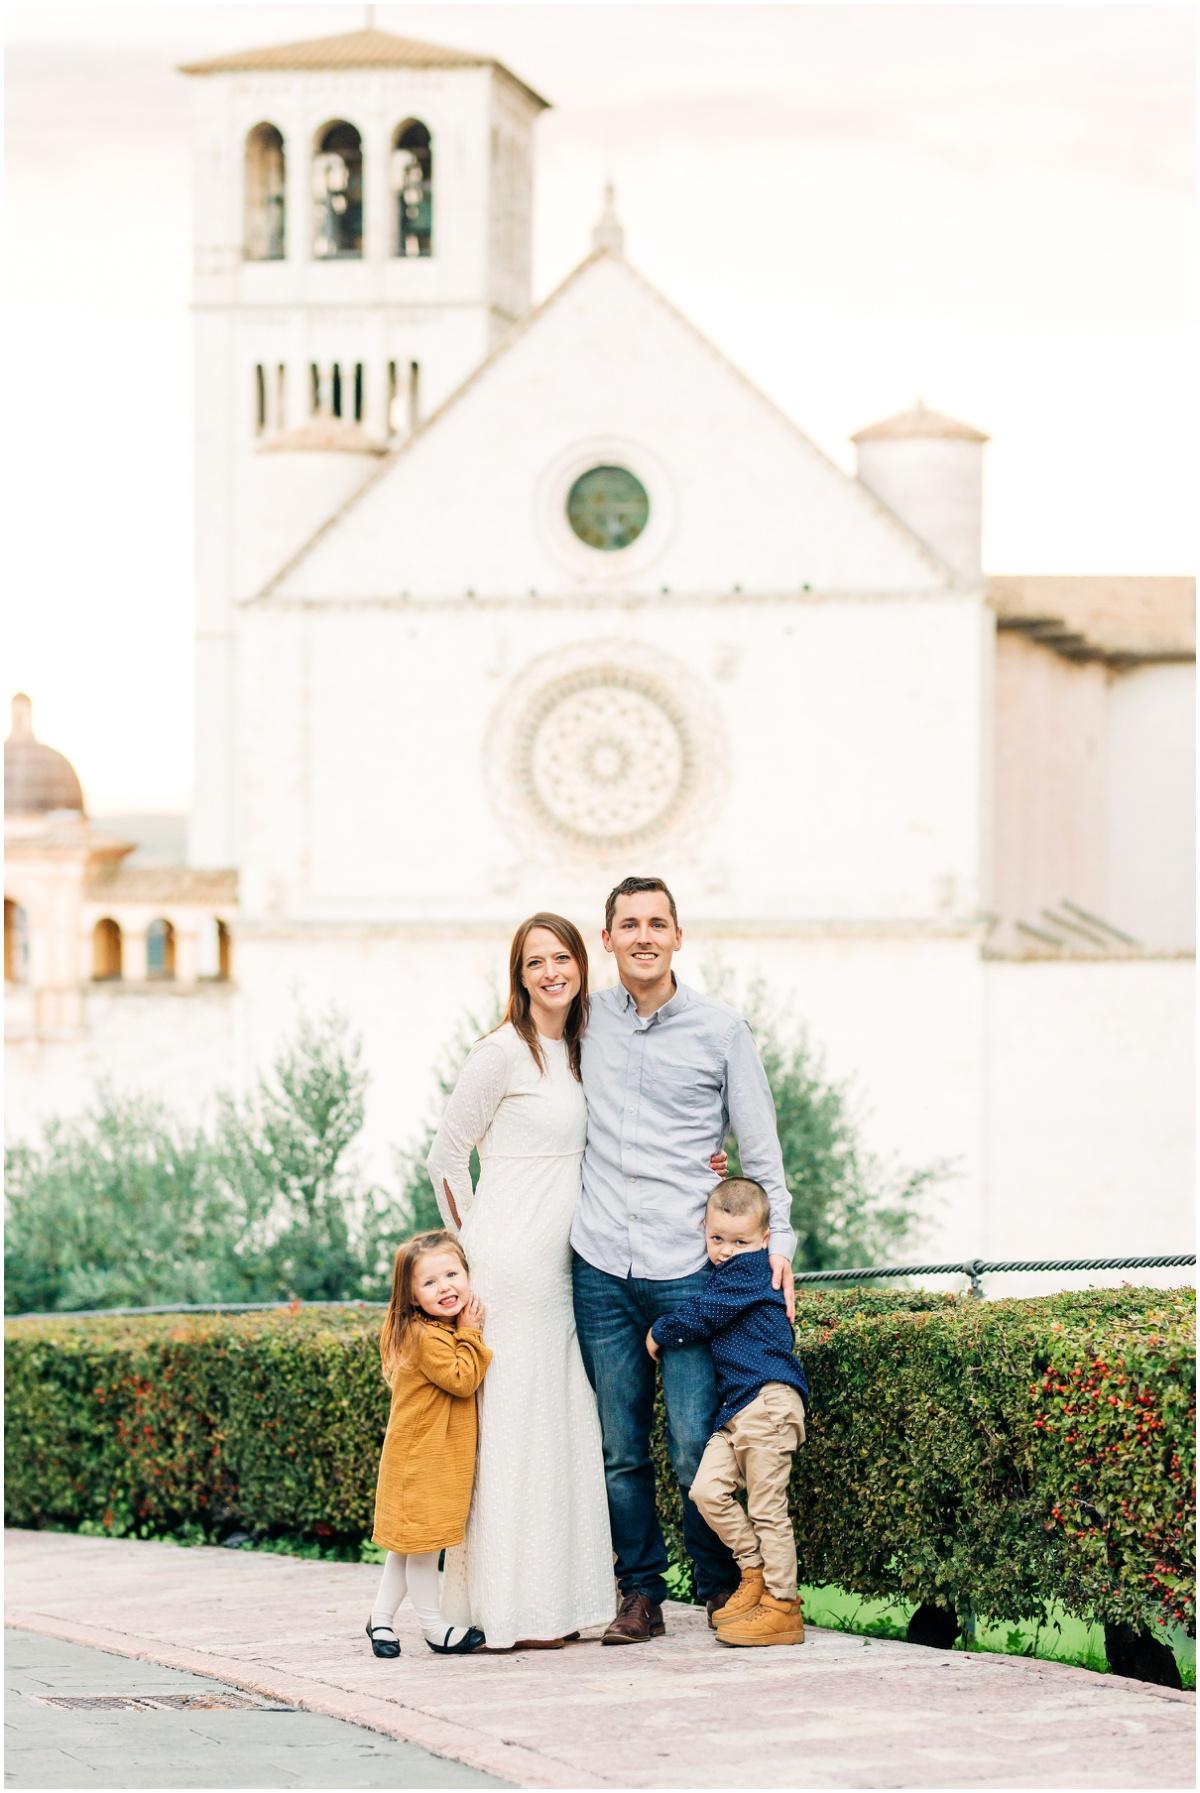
[761,1421]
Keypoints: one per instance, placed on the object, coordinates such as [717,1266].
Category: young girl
[434,1359]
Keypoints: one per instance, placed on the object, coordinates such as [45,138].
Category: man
[667,1072]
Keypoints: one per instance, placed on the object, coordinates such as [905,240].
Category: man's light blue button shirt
[662,1093]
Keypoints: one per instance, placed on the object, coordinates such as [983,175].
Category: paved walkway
[167,1729]
[837,1711]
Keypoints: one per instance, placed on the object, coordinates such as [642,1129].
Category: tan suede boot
[772,1621]
[744,1598]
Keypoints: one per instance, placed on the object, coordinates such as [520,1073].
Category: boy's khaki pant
[754,1452]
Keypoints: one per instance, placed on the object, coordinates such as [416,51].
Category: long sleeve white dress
[537,1559]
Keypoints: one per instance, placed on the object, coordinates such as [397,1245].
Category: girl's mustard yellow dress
[428,1463]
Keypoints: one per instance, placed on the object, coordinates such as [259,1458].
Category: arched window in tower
[106,951]
[337,193]
[160,950]
[265,187]
[16,943]
[411,175]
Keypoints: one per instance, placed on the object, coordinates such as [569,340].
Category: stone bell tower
[362,242]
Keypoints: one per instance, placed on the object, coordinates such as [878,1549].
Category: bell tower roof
[354,49]
[907,426]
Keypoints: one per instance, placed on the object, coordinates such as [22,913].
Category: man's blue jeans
[612,1316]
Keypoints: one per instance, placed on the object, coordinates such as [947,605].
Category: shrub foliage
[131,1206]
[992,1457]
[848,1205]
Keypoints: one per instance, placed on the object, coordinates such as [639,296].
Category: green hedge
[991,1456]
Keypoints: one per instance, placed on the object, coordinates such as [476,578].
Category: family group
[602,1244]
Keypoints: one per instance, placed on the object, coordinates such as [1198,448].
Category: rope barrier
[973,1268]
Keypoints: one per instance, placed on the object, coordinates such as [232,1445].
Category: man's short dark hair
[634,887]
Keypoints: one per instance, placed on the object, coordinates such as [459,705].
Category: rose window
[605,757]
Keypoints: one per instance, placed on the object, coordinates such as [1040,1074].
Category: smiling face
[440,1284]
[726,1235]
[644,938]
[551,975]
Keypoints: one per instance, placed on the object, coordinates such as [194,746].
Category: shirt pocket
[685,1088]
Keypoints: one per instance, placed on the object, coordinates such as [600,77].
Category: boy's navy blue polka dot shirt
[746,1323]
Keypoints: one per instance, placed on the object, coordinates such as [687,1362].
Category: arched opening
[106,951]
[160,950]
[16,943]
[337,193]
[212,950]
[411,176]
[265,232]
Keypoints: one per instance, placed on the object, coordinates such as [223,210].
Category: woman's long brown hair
[519,1010]
[404,1309]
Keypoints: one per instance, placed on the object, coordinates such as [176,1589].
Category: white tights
[418,1577]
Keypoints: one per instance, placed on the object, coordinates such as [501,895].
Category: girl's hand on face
[471,1314]
[719,1164]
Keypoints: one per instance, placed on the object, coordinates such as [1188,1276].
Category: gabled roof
[354,49]
[505,348]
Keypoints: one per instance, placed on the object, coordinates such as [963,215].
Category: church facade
[498,604]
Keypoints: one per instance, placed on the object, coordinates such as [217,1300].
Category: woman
[536,1563]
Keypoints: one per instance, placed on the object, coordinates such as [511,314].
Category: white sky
[988,206]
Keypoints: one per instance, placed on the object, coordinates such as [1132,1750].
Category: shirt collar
[672,1006]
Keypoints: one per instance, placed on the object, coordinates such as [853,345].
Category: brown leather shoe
[638,1620]
[713,1607]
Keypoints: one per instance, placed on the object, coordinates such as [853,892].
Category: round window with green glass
[607,508]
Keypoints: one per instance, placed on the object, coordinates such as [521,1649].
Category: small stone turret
[929,470]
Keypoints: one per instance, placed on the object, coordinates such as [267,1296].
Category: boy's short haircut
[741,1197]
[636,887]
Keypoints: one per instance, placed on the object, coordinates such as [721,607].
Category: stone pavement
[837,1711]
[193,1745]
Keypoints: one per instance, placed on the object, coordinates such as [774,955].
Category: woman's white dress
[537,1558]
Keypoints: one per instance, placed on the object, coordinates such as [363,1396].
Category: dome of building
[37,780]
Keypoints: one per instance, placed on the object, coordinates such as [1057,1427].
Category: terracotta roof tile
[1100,616]
[353,49]
[162,884]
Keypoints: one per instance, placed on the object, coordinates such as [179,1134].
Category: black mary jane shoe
[383,1646]
[471,1640]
